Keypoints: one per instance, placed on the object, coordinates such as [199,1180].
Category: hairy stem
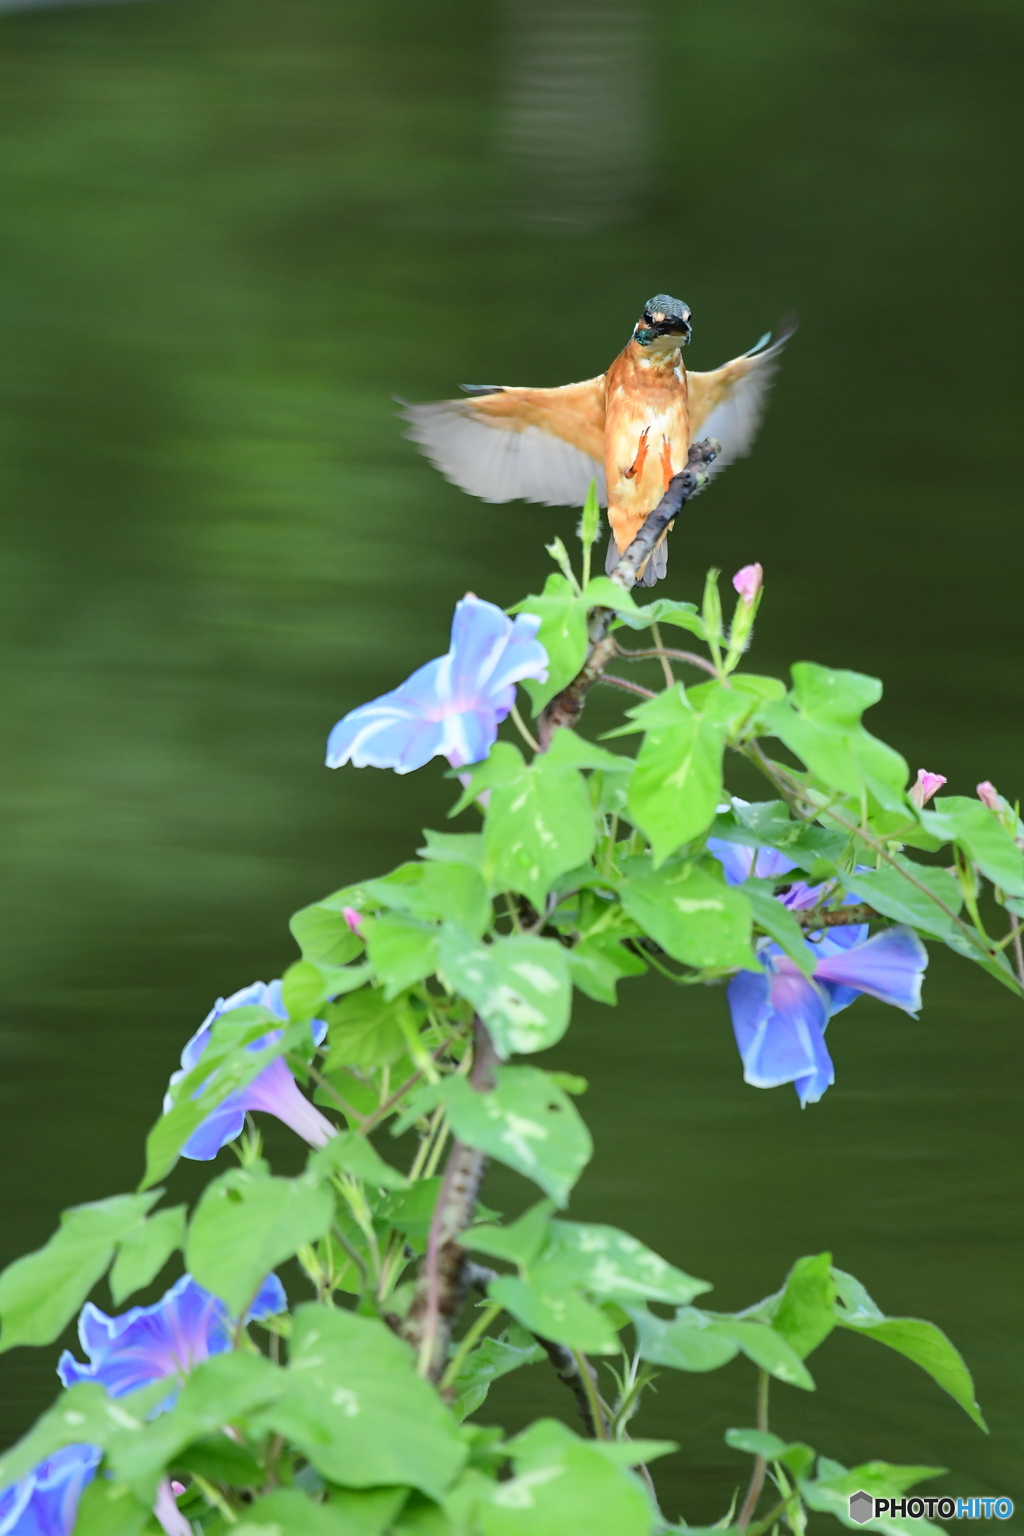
[441,1287]
[760,1465]
[662,655]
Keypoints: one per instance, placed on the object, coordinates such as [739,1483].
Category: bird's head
[665,320]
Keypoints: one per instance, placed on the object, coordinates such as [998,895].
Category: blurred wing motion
[510,443]
[729,402]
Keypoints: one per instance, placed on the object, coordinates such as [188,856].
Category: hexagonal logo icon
[862,1507]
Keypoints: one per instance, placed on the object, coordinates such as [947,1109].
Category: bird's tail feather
[655,568]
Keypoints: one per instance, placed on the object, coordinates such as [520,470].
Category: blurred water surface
[228,233]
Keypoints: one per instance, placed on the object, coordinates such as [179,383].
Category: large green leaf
[553,1311]
[920,1341]
[144,1250]
[686,1343]
[562,633]
[107,1508]
[287,1512]
[677,782]
[598,963]
[565,1486]
[821,723]
[83,1414]
[663,610]
[445,891]
[702,1341]
[349,1152]
[539,825]
[957,818]
[402,950]
[690,912]
[526,1122]
[803,1312]
[323,935]
[766,1348]
[769,821]
[356,1408]
[364,1030]
[611,1265]
[909,892]
[519,985]
[41,1292]
[492,1358]
[246,1223]
[219,1391]
[830,1493]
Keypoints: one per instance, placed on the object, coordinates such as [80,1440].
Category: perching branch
[566,707]
[441,1285]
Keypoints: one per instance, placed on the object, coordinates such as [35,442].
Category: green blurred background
[229,231]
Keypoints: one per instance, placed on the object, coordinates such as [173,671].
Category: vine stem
[1018,951]
[471,1336]
[778,775]
[622,682]
[760,1465]
[441,1285]
[666,654]
[662,655]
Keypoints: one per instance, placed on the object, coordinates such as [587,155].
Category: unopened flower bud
[747,582]
[354,920]
[926,786]
[989,795]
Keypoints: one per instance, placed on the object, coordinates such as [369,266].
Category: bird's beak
[676,327]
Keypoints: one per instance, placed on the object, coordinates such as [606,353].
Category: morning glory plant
[419,1007]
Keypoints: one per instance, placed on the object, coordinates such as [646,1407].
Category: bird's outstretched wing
[509,443]
[729,402]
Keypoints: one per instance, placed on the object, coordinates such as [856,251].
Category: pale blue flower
[273,1091]
[453,706]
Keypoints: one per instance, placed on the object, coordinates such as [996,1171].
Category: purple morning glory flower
[739,861]
[779,1016]
[186,1326]
[45,1502]
[274,1091]
[453,706]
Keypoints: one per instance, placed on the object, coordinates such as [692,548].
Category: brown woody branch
[566,707]
[441,1284]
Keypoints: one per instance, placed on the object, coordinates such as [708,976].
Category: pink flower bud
[354,920]
[748,582]
[177,1488]
[989,795]
[926,786]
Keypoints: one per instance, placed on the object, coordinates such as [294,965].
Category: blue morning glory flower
[739,861]
[45,1502]
[186,1326]
[779,1015]
[274,1091]
[453,706]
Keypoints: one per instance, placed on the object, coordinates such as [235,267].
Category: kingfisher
[629,429]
